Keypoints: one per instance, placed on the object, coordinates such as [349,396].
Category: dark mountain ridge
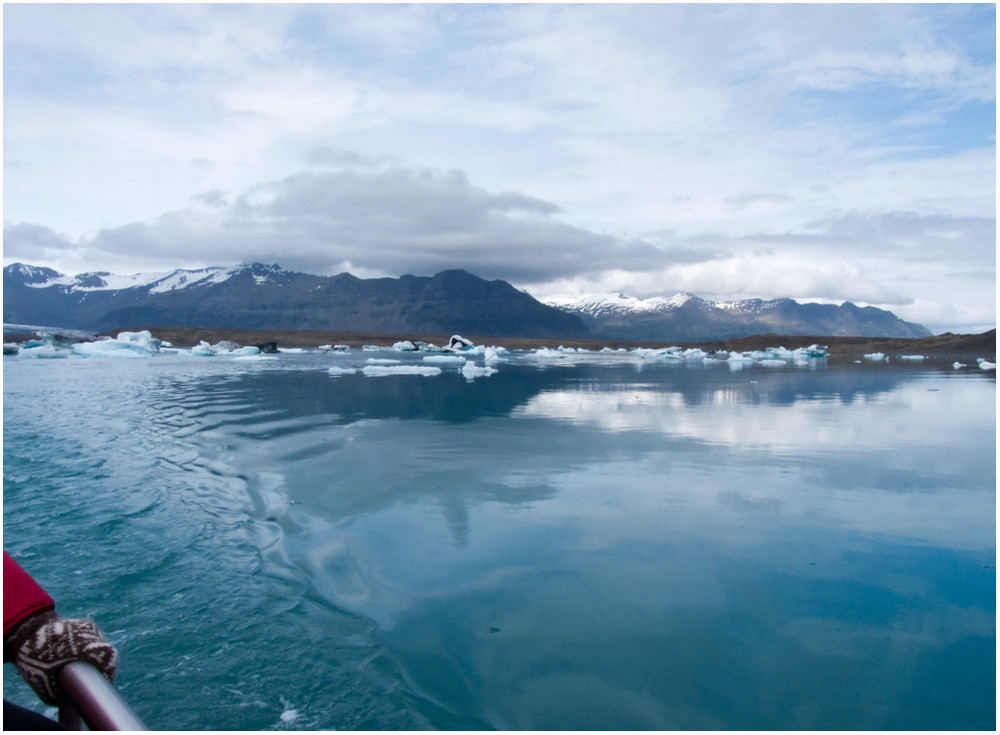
[258,296]
[262,296]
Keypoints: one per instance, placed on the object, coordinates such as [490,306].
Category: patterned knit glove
[45,643]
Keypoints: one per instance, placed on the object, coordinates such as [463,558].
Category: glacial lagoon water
[584,542]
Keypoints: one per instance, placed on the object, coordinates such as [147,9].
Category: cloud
[821,151]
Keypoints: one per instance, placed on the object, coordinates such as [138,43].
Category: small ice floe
[446,359]
[772,363]
[10,348]
[986,364]
[458,343]
[289,715]
[336,372]
[911,357]
[378,370]
[958,365]
[405,346]
[471,371]
[875,356]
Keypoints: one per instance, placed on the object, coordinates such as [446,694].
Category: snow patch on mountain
[603,304]
[156,282]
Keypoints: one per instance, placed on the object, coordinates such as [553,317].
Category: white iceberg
[446,359]
[405,346]
[458,342]
[876,356]
[203,349]
[43,352]
[911,357]
[471,371]
[958,365]
[986,364]
[127,345]
[338,371]
[379,370]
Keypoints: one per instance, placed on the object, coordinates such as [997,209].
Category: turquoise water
[596,542]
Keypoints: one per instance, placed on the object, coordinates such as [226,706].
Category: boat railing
[90,699]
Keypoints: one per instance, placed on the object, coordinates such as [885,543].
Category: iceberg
[875,356]
[471,371]
[203,349]
[459,343]
[338,371]
[986,364]
[958,365]
[911,357]
[127,345]
[405,346]
[446,359]
[379,370]
[43,352]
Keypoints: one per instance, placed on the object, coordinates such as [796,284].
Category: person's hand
[44,643]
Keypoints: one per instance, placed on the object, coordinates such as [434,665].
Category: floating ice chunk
[377,370]
[405,346]
[772,363]
[986,364]
[492,354]
[875,356]
[203,349]
[458,342]
[289,715]
[472,371]
[43,352]
[10,348]
[958,365]
[911,357]
[446,359]
[126,345]
[739,358]
[338,371]
[341,348]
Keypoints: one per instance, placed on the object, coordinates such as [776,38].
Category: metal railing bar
[90,697]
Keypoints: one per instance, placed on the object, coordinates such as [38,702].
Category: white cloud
[817,151]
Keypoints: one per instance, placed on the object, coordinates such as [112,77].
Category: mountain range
[256,296]
[687,318]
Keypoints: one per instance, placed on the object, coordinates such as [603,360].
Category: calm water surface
[590,543]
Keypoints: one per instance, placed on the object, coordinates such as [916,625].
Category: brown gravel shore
[950,347]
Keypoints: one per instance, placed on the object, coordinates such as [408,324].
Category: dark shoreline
[962,347]
[950,347]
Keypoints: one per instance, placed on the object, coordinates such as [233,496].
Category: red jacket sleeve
[22,596]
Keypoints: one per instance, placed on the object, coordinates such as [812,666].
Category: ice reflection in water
[602,543]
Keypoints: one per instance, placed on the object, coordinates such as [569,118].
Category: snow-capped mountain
[687,318]
[260,296]
[257,296]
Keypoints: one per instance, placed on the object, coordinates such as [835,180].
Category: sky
[822,152]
